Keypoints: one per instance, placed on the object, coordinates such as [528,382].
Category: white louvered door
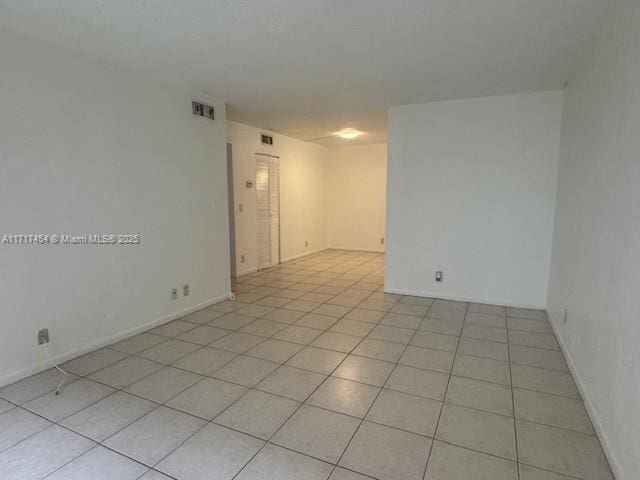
[267,210]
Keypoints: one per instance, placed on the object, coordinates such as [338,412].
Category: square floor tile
[481,431]
[441,326]
[317,321]
[317,360]
[5,406]
[488,320]
[297,334]
[254,310]
[406,412]
[391,334]
[336,341]
[482,369]
[484,349]
[427,358]
[363,315]
[526,325]
[454,315]
[487,309]
[72,398]
[531,473]
[42,454]
[137,343]
[448,462]
[276,463]
[155,435]
[303,305]
[214,452]
[247,371]
[379,349]
[203,335]
[173,329]
[258,413]
[437,341]
[562,451]
[480,332]
[418,382]
[283,315]
[364,370]
[344,396]
[400,320]
[100,463]
[169,351]
[527,313]
[316,432]
[237,342]
[291,382]
[160,386]
[204,360]
[231,321]
[274,350]
[92,362]
[344,474]
[552,410]
[537,357]
[489,397]
[263,328]
[106,417]
[18,424]
[543,380]
[201,316]
[336,311]
[34,386]
[352,327]
[386,453]
[154,475]
[536,340]
[207,398]
[410,309]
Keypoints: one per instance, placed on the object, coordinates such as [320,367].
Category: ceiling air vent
[266,139]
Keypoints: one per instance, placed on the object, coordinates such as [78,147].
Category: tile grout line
[513,401]
[444,395]
[268,442]
[381,388]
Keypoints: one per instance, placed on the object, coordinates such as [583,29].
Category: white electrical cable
[46,351]
[64,374]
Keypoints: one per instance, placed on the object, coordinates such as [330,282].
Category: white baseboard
[588,403]
[444,296]
[245,272]
[352,249]
[303,254]
[65,357]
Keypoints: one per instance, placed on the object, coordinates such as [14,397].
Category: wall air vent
[202,110]
[266,139]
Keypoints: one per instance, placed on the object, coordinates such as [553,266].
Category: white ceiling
[307,68]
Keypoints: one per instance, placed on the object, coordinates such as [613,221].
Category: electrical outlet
[306,243]
[381,240]
[241,258]
[174,294]
[565,318]
[43,336]
[439,276]
[240,207]
[185,290]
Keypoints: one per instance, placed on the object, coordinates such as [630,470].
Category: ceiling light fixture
[349,133]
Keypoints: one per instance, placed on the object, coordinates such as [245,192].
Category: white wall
[595,268]
[87,148]
[356,185]
[302,203]
[471,191]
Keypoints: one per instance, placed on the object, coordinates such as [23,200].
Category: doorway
[267,210]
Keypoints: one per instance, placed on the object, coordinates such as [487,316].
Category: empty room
[319,240]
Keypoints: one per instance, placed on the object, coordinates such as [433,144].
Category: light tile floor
[312,373]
